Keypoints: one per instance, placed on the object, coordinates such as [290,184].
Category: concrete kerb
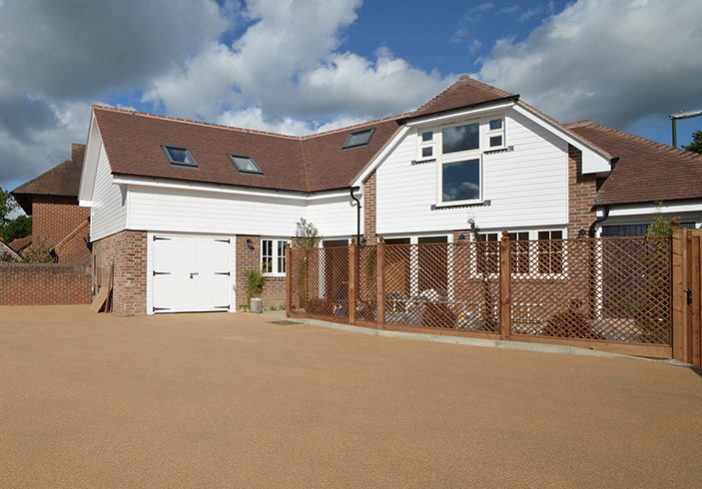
[483,342]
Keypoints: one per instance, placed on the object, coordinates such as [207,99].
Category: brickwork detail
[370,209]
[127,251]
[246,259]
[44,284]
[581,195]
[54,218]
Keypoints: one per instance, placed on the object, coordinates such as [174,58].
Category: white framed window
[426,145]
[495,133]
[460,181]
[550,252]
[273,257]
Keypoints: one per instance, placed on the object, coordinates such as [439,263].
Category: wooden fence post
[288,280]
[380,284]
[352,281]
[680,308]
[505,288]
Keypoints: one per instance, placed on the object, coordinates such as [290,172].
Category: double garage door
[191,273]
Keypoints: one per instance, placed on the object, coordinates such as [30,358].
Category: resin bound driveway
[227,401]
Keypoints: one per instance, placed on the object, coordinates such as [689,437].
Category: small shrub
[254,283]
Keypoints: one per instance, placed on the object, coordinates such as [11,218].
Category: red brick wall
[274,287]
[53,218]
[44,284]
[581,195]
[127,251]
[369,209]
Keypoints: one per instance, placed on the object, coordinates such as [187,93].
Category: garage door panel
[191,273]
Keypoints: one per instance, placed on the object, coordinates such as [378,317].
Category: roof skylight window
[246,164]
[359,138]
[179,156]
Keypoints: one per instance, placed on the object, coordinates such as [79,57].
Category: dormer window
[246,164]
[359,138]
[179,156]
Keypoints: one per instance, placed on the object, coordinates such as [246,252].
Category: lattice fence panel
[367,282]
[611,289]
[448,286]
[320,282]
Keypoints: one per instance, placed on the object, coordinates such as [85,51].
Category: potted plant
[254,287]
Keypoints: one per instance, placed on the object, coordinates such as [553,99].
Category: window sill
[501,149]
[481,203]
[421,162]
[273,275]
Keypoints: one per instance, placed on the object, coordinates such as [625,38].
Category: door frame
[150,264]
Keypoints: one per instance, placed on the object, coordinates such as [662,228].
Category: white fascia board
[224,189]
[448,117]
[378,159]
[87,174]
[594,161]
[627,210]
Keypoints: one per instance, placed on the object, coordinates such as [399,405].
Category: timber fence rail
[611,294]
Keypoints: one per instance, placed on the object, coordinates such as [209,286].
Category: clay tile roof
[465,92]
[134,143]
[20,243]
[61,180]
[645,171]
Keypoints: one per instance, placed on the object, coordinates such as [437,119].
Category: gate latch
[689,297]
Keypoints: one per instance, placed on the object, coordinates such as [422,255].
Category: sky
[301,66]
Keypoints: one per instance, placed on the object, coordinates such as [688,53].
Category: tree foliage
[696,145]
[661,227]
[306,234]
[19,227]
[7,206]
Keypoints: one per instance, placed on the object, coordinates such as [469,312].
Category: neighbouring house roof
[61,180]
[134,144]
[465,92]
[5,249]
[20,244]
[645,171]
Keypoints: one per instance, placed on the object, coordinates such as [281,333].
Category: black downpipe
[358,213]
[593,226]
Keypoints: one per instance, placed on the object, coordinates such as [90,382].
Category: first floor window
[488,252]
[460,180]
[273,256]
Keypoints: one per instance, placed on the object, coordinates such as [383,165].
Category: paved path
[230,400]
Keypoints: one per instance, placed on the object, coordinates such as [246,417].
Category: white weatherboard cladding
[527,187]
[108,212]
[185,211]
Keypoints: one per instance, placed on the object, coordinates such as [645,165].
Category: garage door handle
[193,274]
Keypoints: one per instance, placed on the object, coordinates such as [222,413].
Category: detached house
[182,209]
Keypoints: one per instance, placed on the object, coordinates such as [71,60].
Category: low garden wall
[44,284]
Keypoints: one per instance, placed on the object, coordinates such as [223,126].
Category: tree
[19,227]
[7,206]
[696,145]
[306,234]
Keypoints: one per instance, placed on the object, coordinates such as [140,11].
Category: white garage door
[191,273]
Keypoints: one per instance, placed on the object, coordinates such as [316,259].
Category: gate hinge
[689,297]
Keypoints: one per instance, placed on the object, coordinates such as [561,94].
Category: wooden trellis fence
[626,295]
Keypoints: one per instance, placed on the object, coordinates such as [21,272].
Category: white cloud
[617,62]
[286,71]
[56,57]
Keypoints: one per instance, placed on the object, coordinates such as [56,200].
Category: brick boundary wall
[581,194]
[31,284]
[127,251]
[274,287]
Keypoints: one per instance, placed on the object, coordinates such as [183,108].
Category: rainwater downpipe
[352,190]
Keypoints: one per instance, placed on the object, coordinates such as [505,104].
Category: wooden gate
[687,296]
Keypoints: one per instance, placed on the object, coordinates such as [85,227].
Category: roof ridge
[641,139]
[46,172]
[356,126]
[580,123]
[247,130]
[194,122]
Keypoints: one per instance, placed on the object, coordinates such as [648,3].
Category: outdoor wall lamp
[249,244]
